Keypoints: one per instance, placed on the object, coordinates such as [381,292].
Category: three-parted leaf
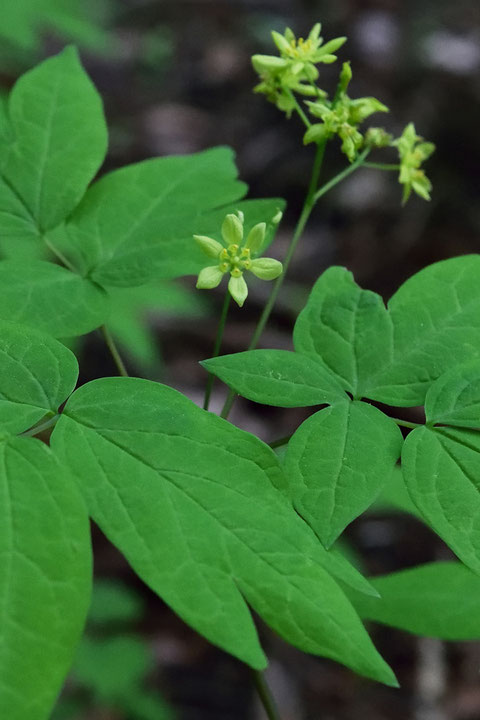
[337,462]
[436,320]
[435,600]
[277,377]
[348,328]
[50,298]
[137,223]
[37,373]
[45,577]
[454,399]
[442,472]
[192,503]
[56,142]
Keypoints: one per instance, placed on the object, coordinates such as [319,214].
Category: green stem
[302,221]
[41,426]
[382,166]
[265,696]
[342,175]
[65,261]
[313,195]
[216,348]
[405,423]
[299,109]
[117,358]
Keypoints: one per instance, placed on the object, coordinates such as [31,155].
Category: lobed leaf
[454,399]
[277,377]
[58,142]
[192,503]
[348,328]
[51,298]
[337,462]
[137,223]
[435,316]
[45,579]
[132,308]
[442,472]
[425,600]
[37,374]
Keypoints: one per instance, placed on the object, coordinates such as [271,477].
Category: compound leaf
[192,503]
[435,600]
[436,320]
[37,373]
[348,328]
[50,298]
[454,399]
[58,142]
[442,472]
[137,223]
[337,462]
[45,577]
[277,377]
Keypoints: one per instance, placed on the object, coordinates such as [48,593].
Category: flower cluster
[413,151]
[236,256]
[295,70]
[342,116]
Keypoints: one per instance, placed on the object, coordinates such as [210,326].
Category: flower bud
[345,77]
[377,137]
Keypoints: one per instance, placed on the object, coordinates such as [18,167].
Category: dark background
[176,78]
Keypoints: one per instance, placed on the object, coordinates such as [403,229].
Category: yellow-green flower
[342,116]
[413,151]
[236,256]
[295,70]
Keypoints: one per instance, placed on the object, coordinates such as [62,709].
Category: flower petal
[209,277]
[210,247]
[256,237]
[232,230]
[237,287]
[266,268]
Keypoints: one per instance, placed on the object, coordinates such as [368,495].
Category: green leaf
[348,328]
[435,600]
[137,223]
[442,473]
[435,316]
[59,140]
[454,399]
[337,462]
[394,496]
[44,580]
[48,297]
[112,667]
[131,309]
[37,374]
[192,503]
[277,377]
[113,602]
[24,22]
